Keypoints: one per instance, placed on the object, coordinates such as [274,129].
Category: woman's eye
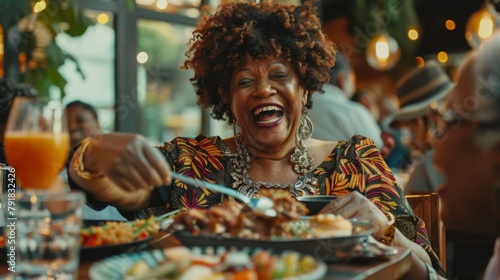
[245,82]
[279,75]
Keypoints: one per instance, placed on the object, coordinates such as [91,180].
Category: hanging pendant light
[479,27]
[382,52]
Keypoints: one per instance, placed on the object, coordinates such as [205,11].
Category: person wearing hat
[467,150]
[417,90]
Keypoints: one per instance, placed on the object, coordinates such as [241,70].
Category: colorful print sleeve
[356,165]
[199,158]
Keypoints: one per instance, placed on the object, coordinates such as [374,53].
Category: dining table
[387,267]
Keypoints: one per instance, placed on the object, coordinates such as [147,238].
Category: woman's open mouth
[268,116]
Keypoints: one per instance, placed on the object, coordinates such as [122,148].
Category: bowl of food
[316,203]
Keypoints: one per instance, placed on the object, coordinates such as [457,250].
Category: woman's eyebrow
[276,62]
[242,69]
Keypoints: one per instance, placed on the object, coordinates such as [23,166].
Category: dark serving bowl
[316,203]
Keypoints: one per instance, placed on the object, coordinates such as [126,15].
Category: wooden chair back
[428,208]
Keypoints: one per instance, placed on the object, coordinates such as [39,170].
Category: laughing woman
[255,66]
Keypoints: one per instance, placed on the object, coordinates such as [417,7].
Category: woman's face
[267,101]
[468,202]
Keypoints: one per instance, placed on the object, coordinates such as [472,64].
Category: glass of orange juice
[36,141]
[44,224]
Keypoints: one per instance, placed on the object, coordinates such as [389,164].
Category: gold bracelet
[78,163]
[390,230]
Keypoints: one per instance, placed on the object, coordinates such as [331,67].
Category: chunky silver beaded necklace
[303,164]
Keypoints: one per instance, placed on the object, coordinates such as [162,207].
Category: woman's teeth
[268,121]
[268,115]
[266,108]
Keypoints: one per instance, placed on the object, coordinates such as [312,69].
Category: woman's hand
[128,160]
[355,205]
[130,166]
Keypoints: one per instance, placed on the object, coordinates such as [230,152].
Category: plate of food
[100,239]
[211,262]
[327,248]
[327,237]
[99,252]
[97,243]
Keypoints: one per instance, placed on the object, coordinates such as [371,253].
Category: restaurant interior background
[123,56]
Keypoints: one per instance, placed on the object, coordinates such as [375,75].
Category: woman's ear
[304,97]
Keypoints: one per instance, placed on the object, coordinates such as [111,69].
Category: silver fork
[261,205]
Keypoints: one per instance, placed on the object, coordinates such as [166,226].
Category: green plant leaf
[130,5]
[57,79]
[42,78]
[55,56]
[11,11]
[58,16]
[39,80]
[65,15]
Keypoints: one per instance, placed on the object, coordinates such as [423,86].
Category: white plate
[115,267]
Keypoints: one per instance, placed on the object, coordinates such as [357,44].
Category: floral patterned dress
[352,166]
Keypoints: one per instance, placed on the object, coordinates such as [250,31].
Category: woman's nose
[264,88]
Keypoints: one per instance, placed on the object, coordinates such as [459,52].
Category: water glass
[47,234]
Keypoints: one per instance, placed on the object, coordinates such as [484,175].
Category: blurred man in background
[335,116]
[83,122]
[416,90]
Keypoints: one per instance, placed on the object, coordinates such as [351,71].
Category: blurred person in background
[335,115]
[395,154]
[388,104]
[416,90]
[8,91]
[367,98]
[83,122]
[467,152]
